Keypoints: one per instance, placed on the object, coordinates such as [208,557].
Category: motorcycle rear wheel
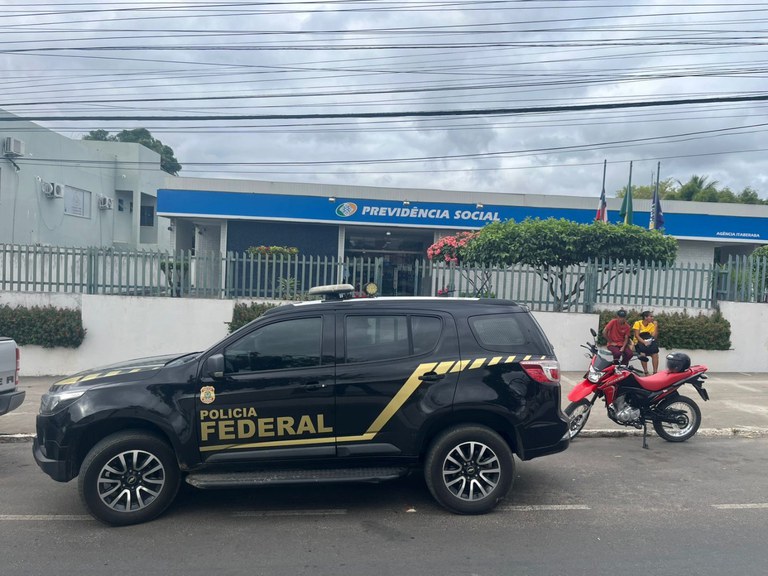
[688,410]
[578,414]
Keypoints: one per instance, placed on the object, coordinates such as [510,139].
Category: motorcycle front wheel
[687,415]
[578,413]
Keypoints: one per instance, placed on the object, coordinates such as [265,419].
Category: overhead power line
[406,114]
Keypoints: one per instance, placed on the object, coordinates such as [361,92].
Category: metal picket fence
[583,287]
[241,275]
[743,279]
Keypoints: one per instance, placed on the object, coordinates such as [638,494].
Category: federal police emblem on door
[207,394]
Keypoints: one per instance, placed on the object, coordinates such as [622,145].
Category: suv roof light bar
[333,291]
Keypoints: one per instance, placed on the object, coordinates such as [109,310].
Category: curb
[736,432]
[16,438]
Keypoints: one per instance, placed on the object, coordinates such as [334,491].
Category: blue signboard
[243,206]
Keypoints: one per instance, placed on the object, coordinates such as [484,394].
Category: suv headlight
[594,375]
[53,402]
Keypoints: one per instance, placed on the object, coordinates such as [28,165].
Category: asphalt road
[603,507]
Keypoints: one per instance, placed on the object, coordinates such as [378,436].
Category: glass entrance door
[398,248]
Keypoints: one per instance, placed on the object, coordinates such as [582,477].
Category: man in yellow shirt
[645,332]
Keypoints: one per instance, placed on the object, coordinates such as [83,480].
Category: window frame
[344,359]
[534,344]
[323,359]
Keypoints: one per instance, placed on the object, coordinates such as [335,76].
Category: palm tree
[698,188]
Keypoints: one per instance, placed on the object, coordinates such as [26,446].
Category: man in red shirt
[617,333]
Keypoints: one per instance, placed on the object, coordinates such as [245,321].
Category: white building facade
[62,192]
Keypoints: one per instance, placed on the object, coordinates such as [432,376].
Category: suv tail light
[543,371]
[18,364]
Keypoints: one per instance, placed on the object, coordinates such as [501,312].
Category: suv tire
[468,469]
[128,478]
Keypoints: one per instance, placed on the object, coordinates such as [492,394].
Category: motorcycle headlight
[594,375]
[53,402]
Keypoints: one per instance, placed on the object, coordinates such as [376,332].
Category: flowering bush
[450,248]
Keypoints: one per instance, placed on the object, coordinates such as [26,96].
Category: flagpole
[605,166]
[657,202]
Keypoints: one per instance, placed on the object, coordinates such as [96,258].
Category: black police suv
[335,390]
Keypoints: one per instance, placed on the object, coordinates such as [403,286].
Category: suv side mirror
[214,367]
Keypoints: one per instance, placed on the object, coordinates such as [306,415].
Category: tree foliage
[168,162]
[560,243]
[552,246]
[666,187]
[696,189]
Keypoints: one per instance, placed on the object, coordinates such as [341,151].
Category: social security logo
[347,209]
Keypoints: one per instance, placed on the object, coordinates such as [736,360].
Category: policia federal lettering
[244,423]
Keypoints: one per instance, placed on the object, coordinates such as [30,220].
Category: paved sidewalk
[738,406]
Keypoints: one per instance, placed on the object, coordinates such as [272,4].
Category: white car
[10,396]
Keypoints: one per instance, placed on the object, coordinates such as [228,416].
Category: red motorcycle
[632,399]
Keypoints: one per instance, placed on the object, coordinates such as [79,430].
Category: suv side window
[426,332]
[370,338]
[283,345]
[500,332]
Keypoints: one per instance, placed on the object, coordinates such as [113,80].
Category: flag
[602,209]
[657,216]
[602,205]
[626,207]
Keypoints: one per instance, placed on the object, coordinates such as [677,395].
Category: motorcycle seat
[664,378]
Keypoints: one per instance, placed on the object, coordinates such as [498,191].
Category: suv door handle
[314,386]
[431,377]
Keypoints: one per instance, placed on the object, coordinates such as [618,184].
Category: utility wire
[409,114]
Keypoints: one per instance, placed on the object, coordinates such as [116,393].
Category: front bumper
[58,469]
[11,400]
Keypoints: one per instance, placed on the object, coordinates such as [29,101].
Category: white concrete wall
[566,330]
[120,328]
[695,252]
[749,339]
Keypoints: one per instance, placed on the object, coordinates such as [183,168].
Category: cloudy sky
[525,96]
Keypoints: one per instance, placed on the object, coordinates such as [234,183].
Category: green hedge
[679,331]
[45,326]
[244,313]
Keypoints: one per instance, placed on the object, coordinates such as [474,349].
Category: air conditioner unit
[58,190]
[105,203]
[13,147]
[47,189]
